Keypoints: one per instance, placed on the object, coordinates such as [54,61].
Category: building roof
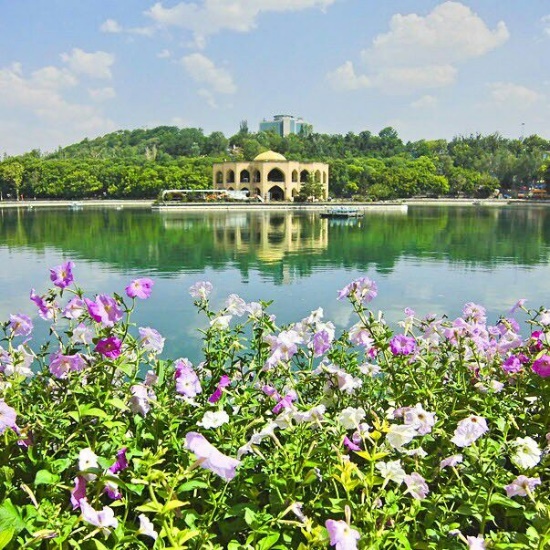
[269,156]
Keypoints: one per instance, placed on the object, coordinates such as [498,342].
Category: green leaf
[5,537]
[44,477]
[191,485]
[501,500]
[267,542]
[117,403]
[10,518]
[249,516]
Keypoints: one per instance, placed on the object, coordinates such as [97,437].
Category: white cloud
[204,71]
[37,102]
[546,24]
[213,16]
[514,94]
[164,54]
[102,94]
[110,26]
[96,65]
[209,96]
[422,52]
[425,102]
[345,78]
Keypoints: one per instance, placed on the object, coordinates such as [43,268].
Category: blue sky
[431,69]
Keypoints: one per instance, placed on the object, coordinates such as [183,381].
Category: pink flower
[223,383]
[109,347]
[522,486]
[151,340]
[402,345]
[416,486]
[61,365]
[79,491]
[285,402]
[121,462]
[342,536]
[104,518]
[201,290]
[513,364]
[46,310]
[20,324]
[140,288]
[350,444]
[210,458]
[363,290]
[75,308]
[469,430]
[7,417]
[542,366]
[62,275]
[187,381]
[322,341]
[104,310]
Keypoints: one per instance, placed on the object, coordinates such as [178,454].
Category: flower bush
[282,437]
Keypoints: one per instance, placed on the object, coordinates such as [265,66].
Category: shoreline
[319,206]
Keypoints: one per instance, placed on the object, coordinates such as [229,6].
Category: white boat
[342,212]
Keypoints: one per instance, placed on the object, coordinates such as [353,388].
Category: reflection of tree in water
[284,246]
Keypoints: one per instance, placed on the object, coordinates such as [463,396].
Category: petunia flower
[103,519]
[469,430]
[213,419]
[109,347]
[140,288]
[420,419]
[363,290]
[399,435]
[187,381]
[341,535]
[210,458]
[140,402]
[351,417]
[62,275]
[61,364]
[79,491]
[450,461]
[542,366]
[87,459]
[7,417]
[20,324]
[121,462]
[104,310]
[201,290]
[223,383]
[146,527]
[46,310]
[391,471]
[527,453]
[235,305]
[475,543]
[402,345]
[522,486]
[75,308]
[416,486]
[151,340]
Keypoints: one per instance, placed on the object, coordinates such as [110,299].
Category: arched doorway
[304,175]
[276,193]
[276,175]
[230,176]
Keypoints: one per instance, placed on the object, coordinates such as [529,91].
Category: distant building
[285,125]
[269,176]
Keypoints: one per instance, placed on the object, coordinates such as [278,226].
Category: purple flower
[450,461]
[363,290]
[121,462]
[201,290]
[285,402]
[350,444]
[416,486]
[187,381]
[402,345]
[61,365]
[522,486]
[104,310]
[322,341]
[140,288]
[139,402]
[62,275]
[223,383]
[75,308]
[7,417]
[210,458]
[151,340]
[475,313]
[518,305]
[513,364]
[542,366]
[109,347]
[45,309]
[79,491]
[104,518]
[20,324]
[342,536]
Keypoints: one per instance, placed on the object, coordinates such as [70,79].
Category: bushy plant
[282,437]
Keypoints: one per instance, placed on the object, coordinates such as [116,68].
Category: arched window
[304,175]
[276,175]
[294,175]
[245,176]
[256,176]
[219,177]
[230,176]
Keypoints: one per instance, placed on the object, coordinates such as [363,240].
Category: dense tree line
[140,163]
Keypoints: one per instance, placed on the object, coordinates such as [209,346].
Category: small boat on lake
[342,212]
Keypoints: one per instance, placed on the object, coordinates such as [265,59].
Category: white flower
[475,543]
[391,471]
[146,527]
[400,434]
[422,420]
[527,452]
[235,305]
[87,459]
[350,418]
[450,461]
[103,519]
[221,322]
[468,430]
[214,419]
[416,486]
[370,369]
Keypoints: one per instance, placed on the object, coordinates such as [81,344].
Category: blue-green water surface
[431,259]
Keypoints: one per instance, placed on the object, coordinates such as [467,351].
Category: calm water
[432,259]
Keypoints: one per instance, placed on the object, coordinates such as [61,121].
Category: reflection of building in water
[270,176]
[271,236]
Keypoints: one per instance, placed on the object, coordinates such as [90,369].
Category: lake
[431,259]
